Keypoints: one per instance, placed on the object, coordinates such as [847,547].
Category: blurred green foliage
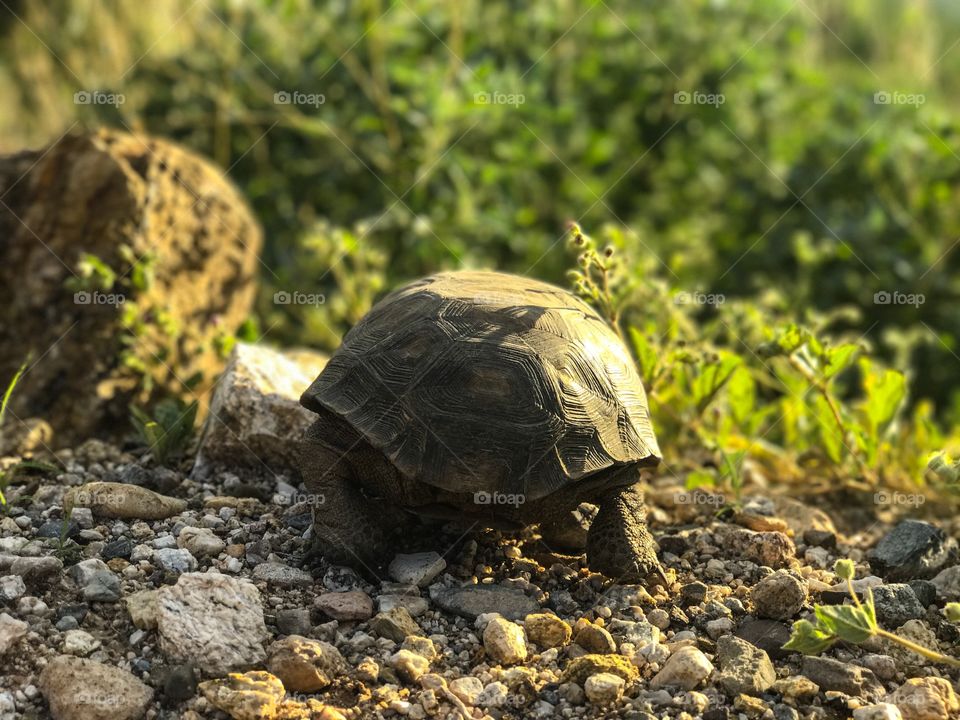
[467,134]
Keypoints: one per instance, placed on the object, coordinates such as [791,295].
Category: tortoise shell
[489,382]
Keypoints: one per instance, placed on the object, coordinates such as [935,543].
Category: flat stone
[213,620]
[744,668]
[947,583]
[768,635]
[418,569]
[97,581]
[913,549]
[350,605]
[414,604]
[118,548]
[36,571]
[282,575]
[121,500]
[80,689]
[395,624]
[475,600]
[293,621]
[880,711]
[832,674]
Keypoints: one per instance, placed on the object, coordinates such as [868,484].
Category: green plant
[65,548]
[167,433]
[7,476]
[854,623]
[735,384]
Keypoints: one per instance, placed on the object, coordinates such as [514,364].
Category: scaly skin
[619,545]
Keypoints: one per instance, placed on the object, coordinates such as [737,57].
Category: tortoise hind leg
[347,525]
[619,545]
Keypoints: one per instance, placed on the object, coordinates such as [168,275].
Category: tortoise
[483,396]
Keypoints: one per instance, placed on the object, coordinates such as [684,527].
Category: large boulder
[126,263]
[256,420]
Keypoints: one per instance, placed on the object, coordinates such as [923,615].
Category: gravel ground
[167,597]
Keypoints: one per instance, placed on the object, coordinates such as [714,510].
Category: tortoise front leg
[619,545]
[349,529]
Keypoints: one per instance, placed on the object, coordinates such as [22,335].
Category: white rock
[417,569]
[504,641]
[604,688]
[200,542]
[82,516]
[686,668]
[926,698]
[12,587]
[213,620]
[176,561]
[414,604]
[8,708]
[467,688]
[880,711]
[494,695]
[78,689]
[255,414]
[85,570]
[11,631]
[947,583]
[79,643]
[408,664]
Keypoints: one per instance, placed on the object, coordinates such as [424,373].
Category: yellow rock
[254,695]
[586,665]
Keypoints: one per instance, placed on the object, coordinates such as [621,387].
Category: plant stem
[919,649]
[853,594]
[821,388]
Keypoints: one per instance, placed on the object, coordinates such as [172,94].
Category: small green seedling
[5,477]
[855,623]
[169,431]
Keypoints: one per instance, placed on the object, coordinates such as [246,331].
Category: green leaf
[646,356]
[742,396]
[836,360]
[8,393]
[712,377]
[885,391]
[699,478]
[848,622]
[792,338]
[830,436]
[808,639]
